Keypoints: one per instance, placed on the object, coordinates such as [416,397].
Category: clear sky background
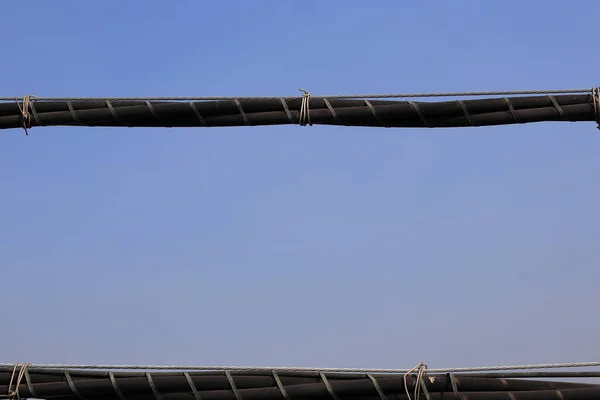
[312,246]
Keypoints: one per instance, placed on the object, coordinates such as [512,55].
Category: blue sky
[313,246]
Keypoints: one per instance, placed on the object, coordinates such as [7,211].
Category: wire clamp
[304,116]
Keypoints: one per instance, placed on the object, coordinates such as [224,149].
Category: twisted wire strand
[349,96]
[304,369]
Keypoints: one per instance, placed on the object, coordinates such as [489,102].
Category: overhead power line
[21,381]
[378,110]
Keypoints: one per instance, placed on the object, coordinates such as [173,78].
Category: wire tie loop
[421,369]
[304,116]
[24,109]
[13,392]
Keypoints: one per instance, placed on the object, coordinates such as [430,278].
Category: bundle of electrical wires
[572,105]
[19,382]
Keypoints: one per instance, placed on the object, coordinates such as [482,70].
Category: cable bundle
[329,110]
[73,384]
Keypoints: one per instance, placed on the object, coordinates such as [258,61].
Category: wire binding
[29,383]
[454,383]
[24,109]
[423,388]
[511,109]
[192,386]
[113,382]
[234,388]
[152,111]
[331,110]
[377,387]
[596,101]
[304,116]
[11,392]
[284,392]
[561,113]
[153,386]
[242,113]
[114,114]
[72,385]
[375,115]
[421,369]
[328,386]
[197,114]
[16,377]
[464,108]
[73,115]
[287,110]
[415,106]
